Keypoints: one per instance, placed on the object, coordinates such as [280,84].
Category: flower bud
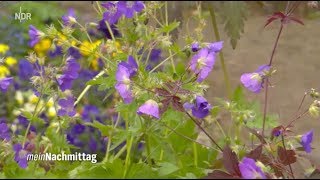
[92,24]
[314,93]
[19,97]
[314,109]
[32,57]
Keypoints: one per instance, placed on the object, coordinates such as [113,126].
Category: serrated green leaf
[234,14]
[170,27]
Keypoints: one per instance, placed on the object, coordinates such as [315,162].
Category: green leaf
[167,168]
[141,170]
[106,170]
[234,14]
[104,82]
[32,119]
[105,130]
[170,27]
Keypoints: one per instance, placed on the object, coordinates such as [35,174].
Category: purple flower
[67,107]
[254,81]
[21,155]
[215,46]
[195,47]
[155,55]
[202,63]
[57,51]
[93,145]
[123,84]
[4,132]
[129,7]
[112,14]
[150,108]
[200,109]
[5,83]
[104,29]
[78,129]
[306,140]
[70,18]
[34,35]
[124,72]
[25,69]
[131,65]
[90,113]
[74,53]
[70,74]
[249,169]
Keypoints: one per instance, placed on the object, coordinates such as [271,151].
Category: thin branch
[203,130]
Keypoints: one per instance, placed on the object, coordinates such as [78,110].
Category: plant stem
[219,126]
[195,154]
[128,157]
[88,87]
[298,117]
[33,115]
[203,130]
[86,32]
[120,152]
[217,36]
[162,62]
[265,106]
[275,45]
[147,140]
[110,138]
[267,81]
[170,52]
[186,137]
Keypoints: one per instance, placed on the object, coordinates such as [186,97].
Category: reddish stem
[267,80]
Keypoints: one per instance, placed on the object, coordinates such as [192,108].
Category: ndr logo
[22,16]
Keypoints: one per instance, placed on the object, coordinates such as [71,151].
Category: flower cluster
[116,10]
[202,63]
[70,73]
[67,107]
[125,71]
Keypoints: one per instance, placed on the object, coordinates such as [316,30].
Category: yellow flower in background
[50,103]
[51,112]
[42,47]
[4,48]
[4,71]
[10,61]
[118,49]
[19,97]
[95,64]
[113,47]
[87,48]
[73,43]
[33,99]
[61,39]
